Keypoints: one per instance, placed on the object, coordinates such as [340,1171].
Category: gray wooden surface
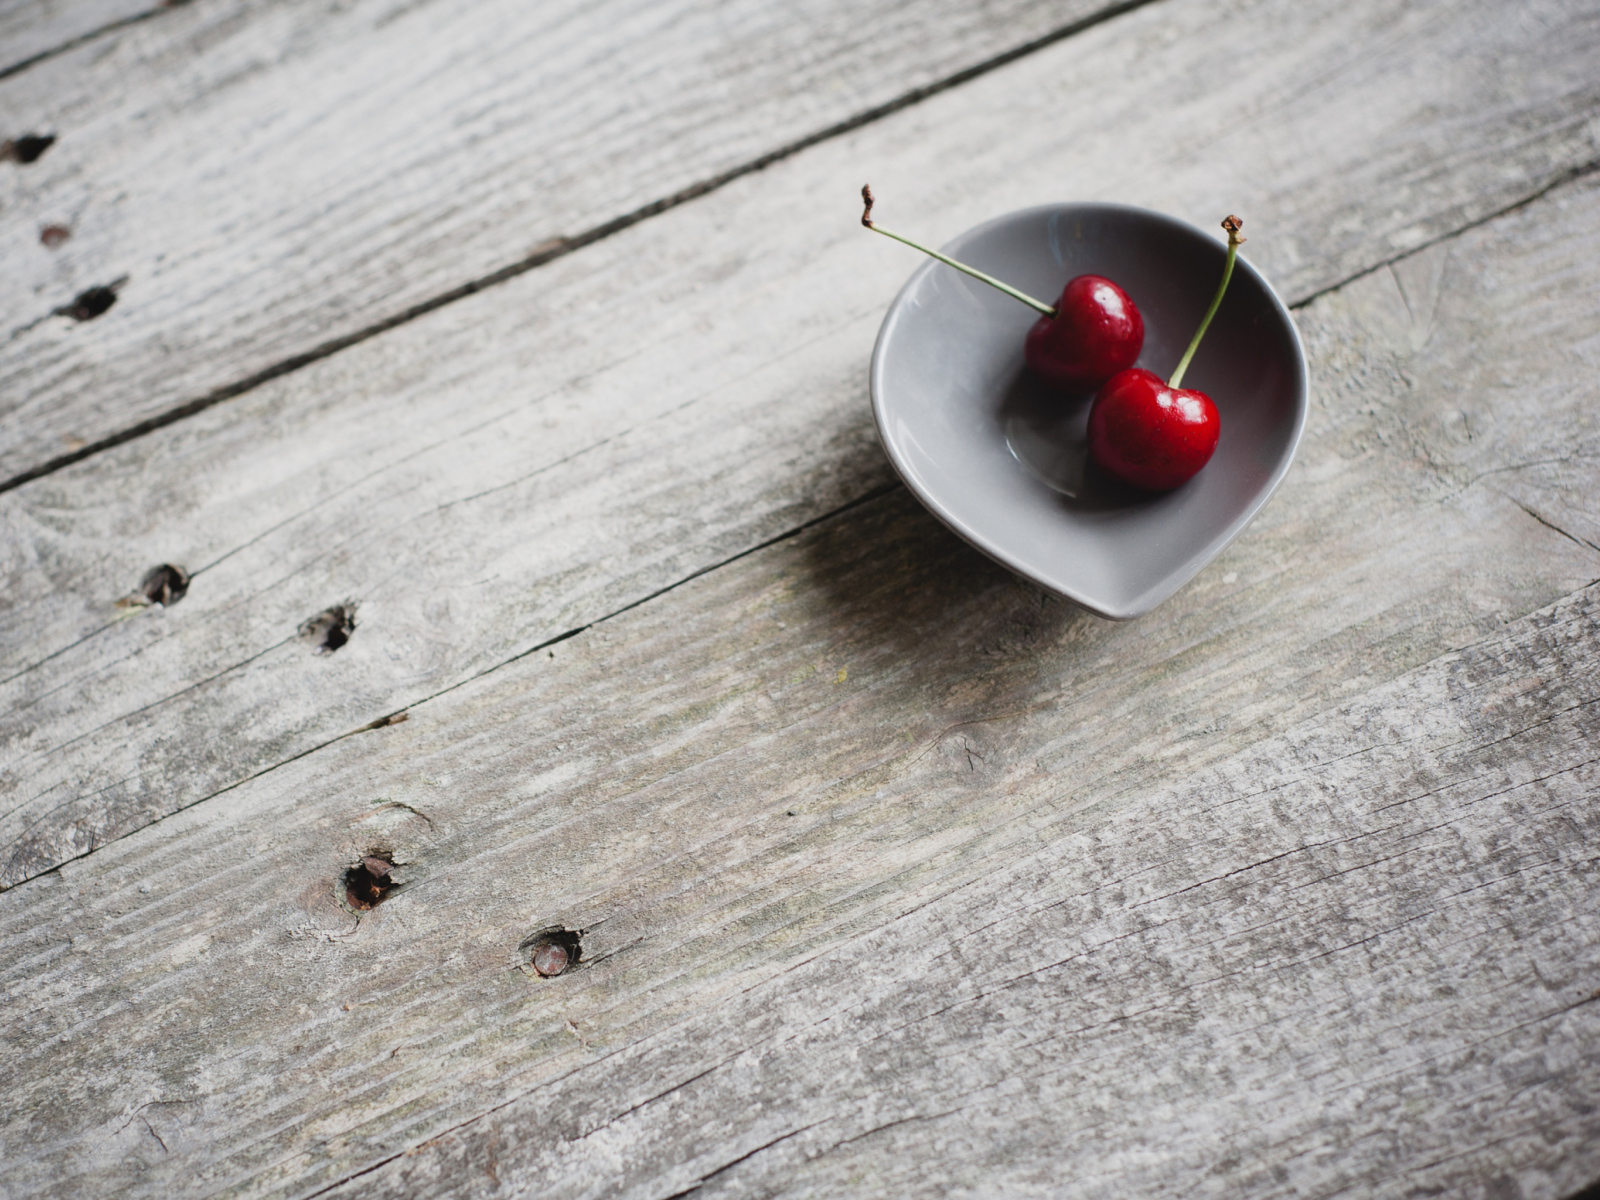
[542,471]
[894,875]
[33,30]
[274,178]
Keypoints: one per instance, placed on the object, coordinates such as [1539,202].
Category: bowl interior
[1003,460]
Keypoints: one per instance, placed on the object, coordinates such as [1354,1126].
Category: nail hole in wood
[27,148]
[164,585]
[54,235]
[552,951]
[369,882]
[89,303]
[330,628]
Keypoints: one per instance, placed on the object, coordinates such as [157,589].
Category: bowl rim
[1170,584]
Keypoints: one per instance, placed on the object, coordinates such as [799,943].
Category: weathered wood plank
[503,472]
[273,177]
[877,910]
[1358,959]
[32,28]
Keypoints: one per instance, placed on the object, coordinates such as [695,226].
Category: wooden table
[495,373]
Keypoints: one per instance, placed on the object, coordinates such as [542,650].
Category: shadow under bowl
[1002,459]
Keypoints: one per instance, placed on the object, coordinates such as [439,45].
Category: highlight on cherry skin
[1096,332]
[1149,434]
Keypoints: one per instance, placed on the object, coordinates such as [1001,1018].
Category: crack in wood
[786,535]
[1559,179]
[745,1157]
[1548,524]
[83,39]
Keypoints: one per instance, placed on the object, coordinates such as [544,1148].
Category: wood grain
[504,472]
[894,875]
[1252,903]
[31,29]
[273,177]
[889,864]
[1358,959]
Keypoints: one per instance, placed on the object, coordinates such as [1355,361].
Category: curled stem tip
[866,219]
[1232,225]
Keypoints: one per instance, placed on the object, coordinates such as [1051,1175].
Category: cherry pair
[1153,434]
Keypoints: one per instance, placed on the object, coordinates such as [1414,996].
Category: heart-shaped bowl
[1003,460]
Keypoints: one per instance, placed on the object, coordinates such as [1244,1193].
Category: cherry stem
[1232,224]
[866,219]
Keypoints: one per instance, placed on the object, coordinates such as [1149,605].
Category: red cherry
[1096,332]
[1093,331]
[1150,434]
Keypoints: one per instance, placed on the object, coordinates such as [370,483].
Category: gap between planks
[563,245]
[133,12]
